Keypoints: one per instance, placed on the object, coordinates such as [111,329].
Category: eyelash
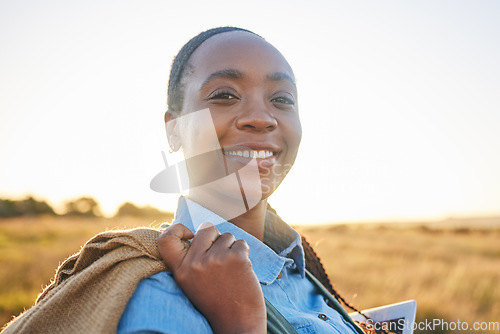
[227,95]
[286,100]
[222,95]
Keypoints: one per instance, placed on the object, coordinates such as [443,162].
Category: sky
[399,102]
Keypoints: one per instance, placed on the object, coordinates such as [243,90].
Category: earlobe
[172,132]
[168,116]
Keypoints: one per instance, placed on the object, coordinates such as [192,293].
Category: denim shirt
[158,305]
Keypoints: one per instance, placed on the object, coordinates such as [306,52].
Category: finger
[204,238]
[223,242]
[172,245]
[241,252]
[241,246]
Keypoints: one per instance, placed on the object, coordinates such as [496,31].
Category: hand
[216,274]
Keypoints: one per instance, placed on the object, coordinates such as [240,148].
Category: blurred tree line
[129,209]
[25,207]
[83,207]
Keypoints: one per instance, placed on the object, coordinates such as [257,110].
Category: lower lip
[262,163]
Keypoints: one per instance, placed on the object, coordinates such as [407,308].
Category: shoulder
[159,305]
[162,282]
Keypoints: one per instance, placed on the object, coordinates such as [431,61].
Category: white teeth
[262,154]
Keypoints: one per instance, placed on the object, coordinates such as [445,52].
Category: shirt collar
[282,243]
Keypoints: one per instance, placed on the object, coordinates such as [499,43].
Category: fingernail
[204,225]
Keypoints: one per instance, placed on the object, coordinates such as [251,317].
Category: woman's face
[250,92]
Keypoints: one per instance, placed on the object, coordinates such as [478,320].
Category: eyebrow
[280,76]
[235,74]
[229,73]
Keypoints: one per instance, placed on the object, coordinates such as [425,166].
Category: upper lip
[256,146]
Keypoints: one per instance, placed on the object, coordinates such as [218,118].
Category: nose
[257,117]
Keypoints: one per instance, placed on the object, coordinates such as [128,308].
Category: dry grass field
[452,273]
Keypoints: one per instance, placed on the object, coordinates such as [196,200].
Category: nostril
[257,124]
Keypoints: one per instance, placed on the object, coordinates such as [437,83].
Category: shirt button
[323,317]
[280,275]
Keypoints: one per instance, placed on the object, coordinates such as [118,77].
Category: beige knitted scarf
[90,290]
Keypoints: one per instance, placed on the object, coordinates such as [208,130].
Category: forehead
[238,50]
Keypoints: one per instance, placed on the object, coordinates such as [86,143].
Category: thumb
[173,245]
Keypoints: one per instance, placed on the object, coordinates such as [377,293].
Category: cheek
[201,148]
[222,122]
[198,133]
[292,131]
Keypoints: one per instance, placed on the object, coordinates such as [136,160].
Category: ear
[171,126]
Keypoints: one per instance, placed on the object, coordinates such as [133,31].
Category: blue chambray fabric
[159,306]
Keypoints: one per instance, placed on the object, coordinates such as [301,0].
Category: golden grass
[452,274]
[32,248]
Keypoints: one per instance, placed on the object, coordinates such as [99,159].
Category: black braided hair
[315,267]
[175,95]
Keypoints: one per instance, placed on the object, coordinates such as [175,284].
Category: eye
[287,100]
[224,95]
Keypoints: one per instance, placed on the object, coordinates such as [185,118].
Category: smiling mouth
[258,154]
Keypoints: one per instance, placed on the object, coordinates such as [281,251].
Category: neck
[253,221]
[228,207]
